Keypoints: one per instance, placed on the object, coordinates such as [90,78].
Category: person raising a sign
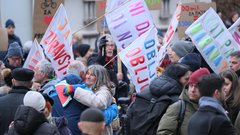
[106,57]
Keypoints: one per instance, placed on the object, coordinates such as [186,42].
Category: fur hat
[35,100]
[182,48]
[92,115]
[22,74]
[14,49]
[195,76]
[193,60]
[9,22]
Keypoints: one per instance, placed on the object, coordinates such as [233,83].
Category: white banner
[35,55]
[213,40]
[129,22]
[235,31]
[57,42]
[140,58]
[113,4]
[169,34]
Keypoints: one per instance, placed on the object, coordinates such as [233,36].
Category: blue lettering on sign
[184,23]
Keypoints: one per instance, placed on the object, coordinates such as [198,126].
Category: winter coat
[164,85]
[101,99]
[48,86]
[61,124]
[72,111]
[28,121]
[232,111]
[8,106]
[14,38]
[169,122]
[209,120]
[120,91]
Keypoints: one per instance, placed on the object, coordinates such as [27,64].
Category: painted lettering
[137,8]
[133,52]
[124,36]
[139,69]
[149,44]
[138,60]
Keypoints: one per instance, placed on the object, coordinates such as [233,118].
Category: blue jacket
[73,110]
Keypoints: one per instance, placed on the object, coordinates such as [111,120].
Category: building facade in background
[80,13]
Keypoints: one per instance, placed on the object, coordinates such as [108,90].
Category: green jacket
[168,123]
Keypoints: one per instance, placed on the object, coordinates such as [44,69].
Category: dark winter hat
[92,115]
[47,98]
[182,48]
[14,49]
[22,74]
[9,22]
[193,60]
[72,78]
[83,49]
[195,76]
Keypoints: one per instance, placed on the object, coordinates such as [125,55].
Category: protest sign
[190,13]
[43,14]
[213,40]
[129,22]
[35,55]
[140,58]
[235,31]
[57,42]
[169,34]
[113,4]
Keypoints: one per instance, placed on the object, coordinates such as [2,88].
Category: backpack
[145,113]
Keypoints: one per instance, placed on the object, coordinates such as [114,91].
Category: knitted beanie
[35,100]
[182,48]
[193,60]
[14,49]
[9,22]
[195,76]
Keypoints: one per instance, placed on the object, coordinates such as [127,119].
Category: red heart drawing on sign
[47,19]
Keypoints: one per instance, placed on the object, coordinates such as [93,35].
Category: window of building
[89,11]
[165,9]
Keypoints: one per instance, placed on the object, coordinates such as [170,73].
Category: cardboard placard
[44,11]
[190,13]
[213,40]
[3,39]
[100,10]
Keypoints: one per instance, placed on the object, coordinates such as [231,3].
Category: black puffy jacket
[28,121]
[164,85]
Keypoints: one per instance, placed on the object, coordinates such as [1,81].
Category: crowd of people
[85,100]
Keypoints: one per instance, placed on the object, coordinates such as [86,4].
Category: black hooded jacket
[164,85]
[28,121]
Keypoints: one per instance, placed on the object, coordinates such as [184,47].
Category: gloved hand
[70,89]
[103,41]
[102,44]
[122,85]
